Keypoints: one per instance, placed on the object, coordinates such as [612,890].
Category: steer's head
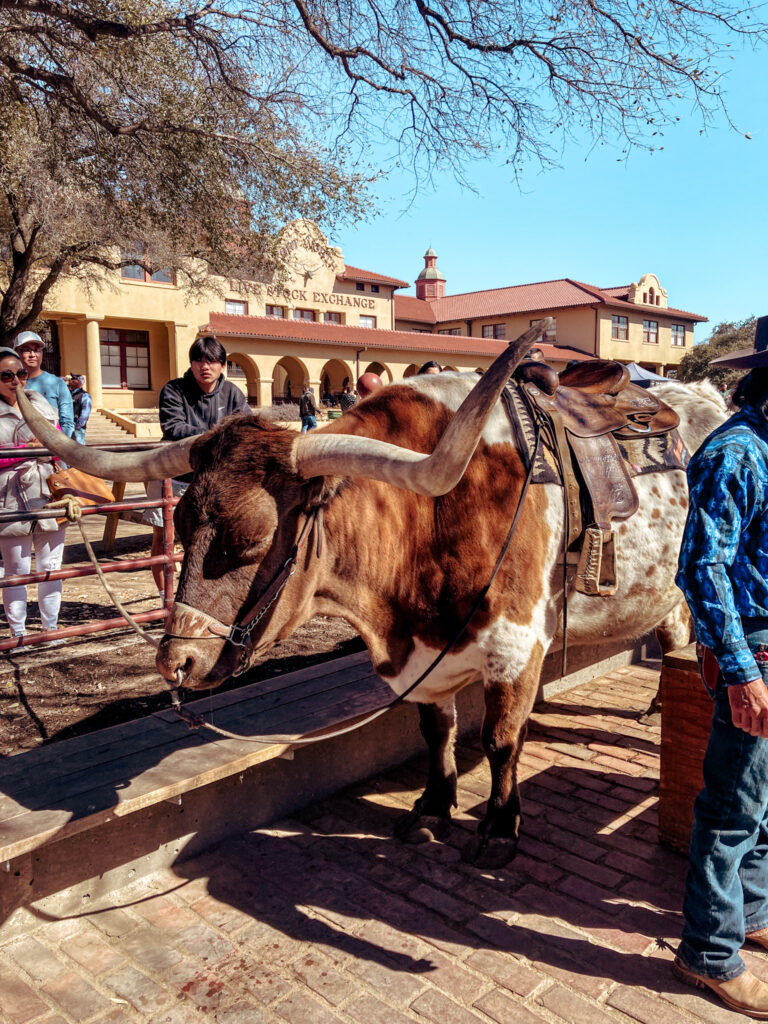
[239,522]
[252,488]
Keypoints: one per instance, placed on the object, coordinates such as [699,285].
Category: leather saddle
[590,408]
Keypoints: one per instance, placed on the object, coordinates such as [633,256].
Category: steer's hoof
[414,828]
[489,854]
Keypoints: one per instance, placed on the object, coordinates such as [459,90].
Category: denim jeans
[726,893]
[308,423]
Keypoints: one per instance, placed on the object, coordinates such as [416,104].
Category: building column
[93,359]
[263,393]
[177,338]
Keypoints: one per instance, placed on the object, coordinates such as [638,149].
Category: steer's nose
[173,656]
[200,662]
[190,647]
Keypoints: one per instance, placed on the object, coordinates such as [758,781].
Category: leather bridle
[239,632]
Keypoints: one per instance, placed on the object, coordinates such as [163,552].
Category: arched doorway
[411,371]
[383,371]
[243,372]
[451,368]
[334,376]
[288,380]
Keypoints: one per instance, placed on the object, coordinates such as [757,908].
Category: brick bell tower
[430,284]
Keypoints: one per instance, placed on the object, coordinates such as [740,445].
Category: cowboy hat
[748,358]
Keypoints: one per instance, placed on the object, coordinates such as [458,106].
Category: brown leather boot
[760,937]
[745,994]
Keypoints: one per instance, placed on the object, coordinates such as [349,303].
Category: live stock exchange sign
[327,298]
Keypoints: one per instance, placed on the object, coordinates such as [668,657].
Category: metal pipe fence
[166,559]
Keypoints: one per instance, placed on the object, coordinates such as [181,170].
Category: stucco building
[330,321]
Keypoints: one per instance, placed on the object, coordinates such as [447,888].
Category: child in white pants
[17,559]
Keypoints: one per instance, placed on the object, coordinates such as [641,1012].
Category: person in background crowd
[536,354]
[191,405]
[81,404]
[29,348]
[347,399]
[307,409]
[723,573]
[367,383]
[431,367]
[22,489]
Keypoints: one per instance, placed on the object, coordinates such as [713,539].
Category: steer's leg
[432,811]
[509,697]
[673,632]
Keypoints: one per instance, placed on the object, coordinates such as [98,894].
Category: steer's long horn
[435,474]
[169,460]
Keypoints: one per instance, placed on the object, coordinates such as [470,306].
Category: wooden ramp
[65,788]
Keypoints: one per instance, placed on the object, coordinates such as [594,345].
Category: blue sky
[694,213]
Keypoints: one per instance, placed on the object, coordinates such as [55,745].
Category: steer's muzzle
[205,659]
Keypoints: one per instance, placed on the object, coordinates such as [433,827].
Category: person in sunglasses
[22,489]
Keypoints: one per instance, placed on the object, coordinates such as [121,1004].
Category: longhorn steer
[404,564]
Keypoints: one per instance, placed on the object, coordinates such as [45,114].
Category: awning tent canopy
[639,373]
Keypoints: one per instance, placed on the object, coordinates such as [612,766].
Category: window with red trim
[494,331]
[650,332]
[124,359]
[619,328]
[133,272]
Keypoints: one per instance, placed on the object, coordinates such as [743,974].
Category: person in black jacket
[191,405]
[308,409]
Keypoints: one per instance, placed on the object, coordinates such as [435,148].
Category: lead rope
[74,514]
[195,721]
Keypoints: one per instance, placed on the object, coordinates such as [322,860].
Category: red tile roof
[563,293]
[521,298]
[408,307]
[307,332]
[356,274]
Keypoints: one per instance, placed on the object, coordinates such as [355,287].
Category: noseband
[239,632]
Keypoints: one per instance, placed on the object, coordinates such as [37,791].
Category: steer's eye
[245,550]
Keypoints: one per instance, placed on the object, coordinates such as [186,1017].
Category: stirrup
[596,571]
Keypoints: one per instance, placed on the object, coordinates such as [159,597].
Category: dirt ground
[96,682]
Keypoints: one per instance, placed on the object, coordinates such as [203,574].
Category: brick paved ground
[325,919]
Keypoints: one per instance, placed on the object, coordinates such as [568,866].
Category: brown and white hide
[405,569]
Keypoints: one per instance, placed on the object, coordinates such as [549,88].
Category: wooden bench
[83,817]
[117,796]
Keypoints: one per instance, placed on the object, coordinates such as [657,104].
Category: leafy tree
[726,337]
[190,131]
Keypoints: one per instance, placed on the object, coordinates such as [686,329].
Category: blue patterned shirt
[723,568]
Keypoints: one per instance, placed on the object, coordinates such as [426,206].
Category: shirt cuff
[738,665]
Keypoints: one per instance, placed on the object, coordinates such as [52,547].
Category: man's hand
[749,707]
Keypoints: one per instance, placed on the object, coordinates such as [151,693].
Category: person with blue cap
[29,347]
[723,573]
